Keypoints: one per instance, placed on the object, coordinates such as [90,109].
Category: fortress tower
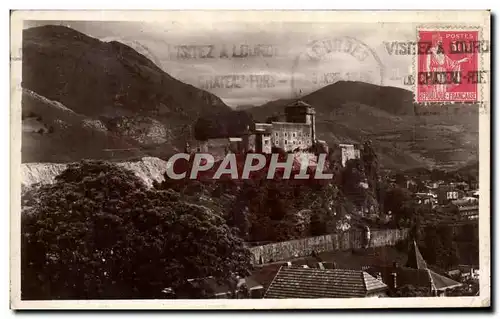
[301,112]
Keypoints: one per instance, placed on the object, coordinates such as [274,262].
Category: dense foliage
[98,232]
[470,287]
[411,291]
[265,210]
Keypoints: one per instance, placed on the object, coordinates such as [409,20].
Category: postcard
[250,159]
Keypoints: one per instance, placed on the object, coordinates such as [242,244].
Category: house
[411,184]
[468,208]
[433,185]
[462,186]
[465,272]
[305,282]
[210,288]
[425,199]
[348,152]
[447,193]
[415,273]
[473,193]
[469,271]
[473,185]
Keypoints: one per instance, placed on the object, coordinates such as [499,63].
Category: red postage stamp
[447,64]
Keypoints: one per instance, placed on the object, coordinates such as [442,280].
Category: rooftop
[417,268]
[299,103]
[211,285]
[292,282]
[291,123]
[415,259]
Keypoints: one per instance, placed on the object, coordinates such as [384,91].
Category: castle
[295,131]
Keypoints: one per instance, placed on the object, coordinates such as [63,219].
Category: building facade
[447,193]
[349,151]
[296,132]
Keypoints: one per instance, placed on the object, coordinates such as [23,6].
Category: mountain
[404,134]
[86,98]
[244,107]
[54,133]
[134,104]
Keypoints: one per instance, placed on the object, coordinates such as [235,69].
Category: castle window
[276,142]
[276,134]
[286,134]
[266,142]
[294,134]
[286,142]
[293,142]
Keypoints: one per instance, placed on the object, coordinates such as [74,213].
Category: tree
[370,162]
[400,179]
[421,188]
[469,288]
[398,202]
[411,291]
[98,232]
[433,245]
[317,226]
[352,178]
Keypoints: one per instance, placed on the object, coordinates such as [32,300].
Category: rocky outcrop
[144,130]
[40,173]
[147,169]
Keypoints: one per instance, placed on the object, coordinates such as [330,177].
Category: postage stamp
[250,160]
[448,65]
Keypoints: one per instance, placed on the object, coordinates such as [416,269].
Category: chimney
[394,280]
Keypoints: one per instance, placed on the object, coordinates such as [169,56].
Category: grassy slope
[105,81]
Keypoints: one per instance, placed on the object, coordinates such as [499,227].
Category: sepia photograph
[250,159]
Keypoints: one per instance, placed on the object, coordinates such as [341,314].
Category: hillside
[403,134]
[54,133]
[131,100]
[85,98]
[148,169]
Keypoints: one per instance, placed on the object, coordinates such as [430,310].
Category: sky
[285,59]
